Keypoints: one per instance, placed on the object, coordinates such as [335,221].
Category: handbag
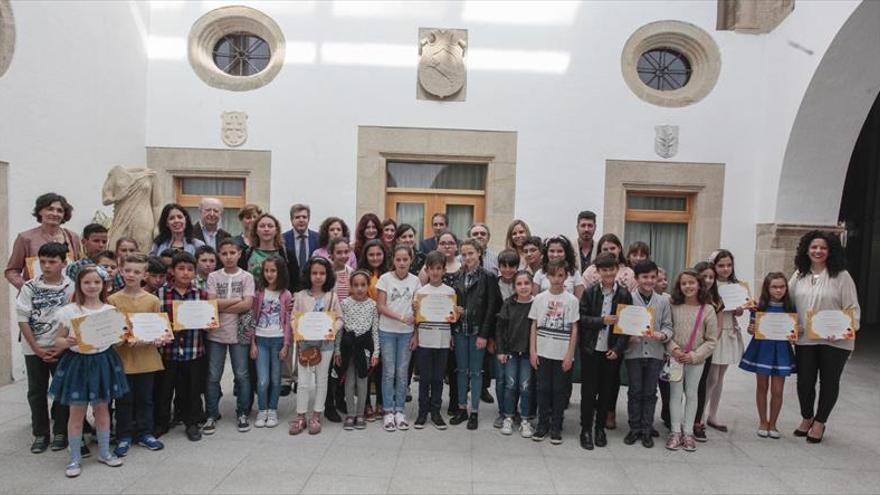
[673,371]
[310,356]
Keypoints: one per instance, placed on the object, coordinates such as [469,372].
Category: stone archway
[825,130]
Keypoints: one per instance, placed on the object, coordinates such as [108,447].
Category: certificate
[840,324]
[634,320]
[734,295]
[435,308]
[148,327]
[434,337]
[98,331]
[193,315]
[314,325]
[776,326]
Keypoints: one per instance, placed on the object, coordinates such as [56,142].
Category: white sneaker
[525,429]
[388,422]
[400,421]
[272,418]
[260,422]
[507,426]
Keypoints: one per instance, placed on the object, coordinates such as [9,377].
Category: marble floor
[459,461]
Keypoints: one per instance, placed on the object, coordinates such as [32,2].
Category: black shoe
[586,440]
[84,451]
[541,433]
[700,432]
[420,421]
[556,437]
[486,397]
[647,441]
[458,418]
[332,416]
[599,437]
[193,433]
[59,442]
[473,421]
[437,419]
[654,432]
[41,443]
[632,437]
[285,390]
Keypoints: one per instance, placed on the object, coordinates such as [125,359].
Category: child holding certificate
[184,357]
[695,329]
[141,361]
[270,342]
[479,299]
[40,299]
[770,360]
[433,336]
[314,356]
[82,379]
[729,348]
[644,357]
[357,347]
[233,289]
[600,349]
[512,350]
[397,289]
[554,333]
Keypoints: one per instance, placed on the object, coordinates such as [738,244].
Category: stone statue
[442,71]
[136,201]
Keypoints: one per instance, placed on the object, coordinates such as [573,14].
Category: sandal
[297,425]
[315,424]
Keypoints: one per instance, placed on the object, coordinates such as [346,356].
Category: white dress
[729,348]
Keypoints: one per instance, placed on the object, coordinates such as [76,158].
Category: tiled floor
[459,461]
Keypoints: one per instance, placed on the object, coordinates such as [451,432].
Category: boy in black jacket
[600,349]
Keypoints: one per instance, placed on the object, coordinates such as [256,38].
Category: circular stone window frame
[7,36]
[216,24]
[689,40]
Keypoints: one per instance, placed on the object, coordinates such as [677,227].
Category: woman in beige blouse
[820,282]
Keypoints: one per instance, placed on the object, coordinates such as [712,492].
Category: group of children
[539,319]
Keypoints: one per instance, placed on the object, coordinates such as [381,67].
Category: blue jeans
[268,371]
[517,381]
[469,365]
[394,349]
[238,354]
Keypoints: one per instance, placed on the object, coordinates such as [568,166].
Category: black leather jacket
[591,322]
[481,302]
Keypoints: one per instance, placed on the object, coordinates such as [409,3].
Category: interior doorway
[860,213]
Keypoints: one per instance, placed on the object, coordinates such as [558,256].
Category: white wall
[71,105]
[569,122]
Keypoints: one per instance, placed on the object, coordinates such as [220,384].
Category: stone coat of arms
[233,130]
[442,71]
[666,140]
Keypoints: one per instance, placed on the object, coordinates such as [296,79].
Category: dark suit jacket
[290,242]
[591,321]
[428,245]
[197,233]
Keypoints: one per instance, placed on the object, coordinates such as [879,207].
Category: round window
[664,69]
[241,54]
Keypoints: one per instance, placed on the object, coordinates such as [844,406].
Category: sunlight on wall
[545,13]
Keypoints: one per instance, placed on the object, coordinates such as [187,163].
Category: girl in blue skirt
[87,376]
[770,360]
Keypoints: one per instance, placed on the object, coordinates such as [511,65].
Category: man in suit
[439,223]
[300,242]
[207,229]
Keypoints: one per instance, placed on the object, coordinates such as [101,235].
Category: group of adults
[820,280]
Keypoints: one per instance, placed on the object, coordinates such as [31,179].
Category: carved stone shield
[441,66]
[233,130]
[666,140]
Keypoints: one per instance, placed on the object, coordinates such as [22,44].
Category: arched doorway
[860,214]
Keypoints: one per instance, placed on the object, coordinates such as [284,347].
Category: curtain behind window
[668,242]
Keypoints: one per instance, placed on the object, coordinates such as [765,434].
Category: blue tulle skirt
[768,357]
[81,379]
